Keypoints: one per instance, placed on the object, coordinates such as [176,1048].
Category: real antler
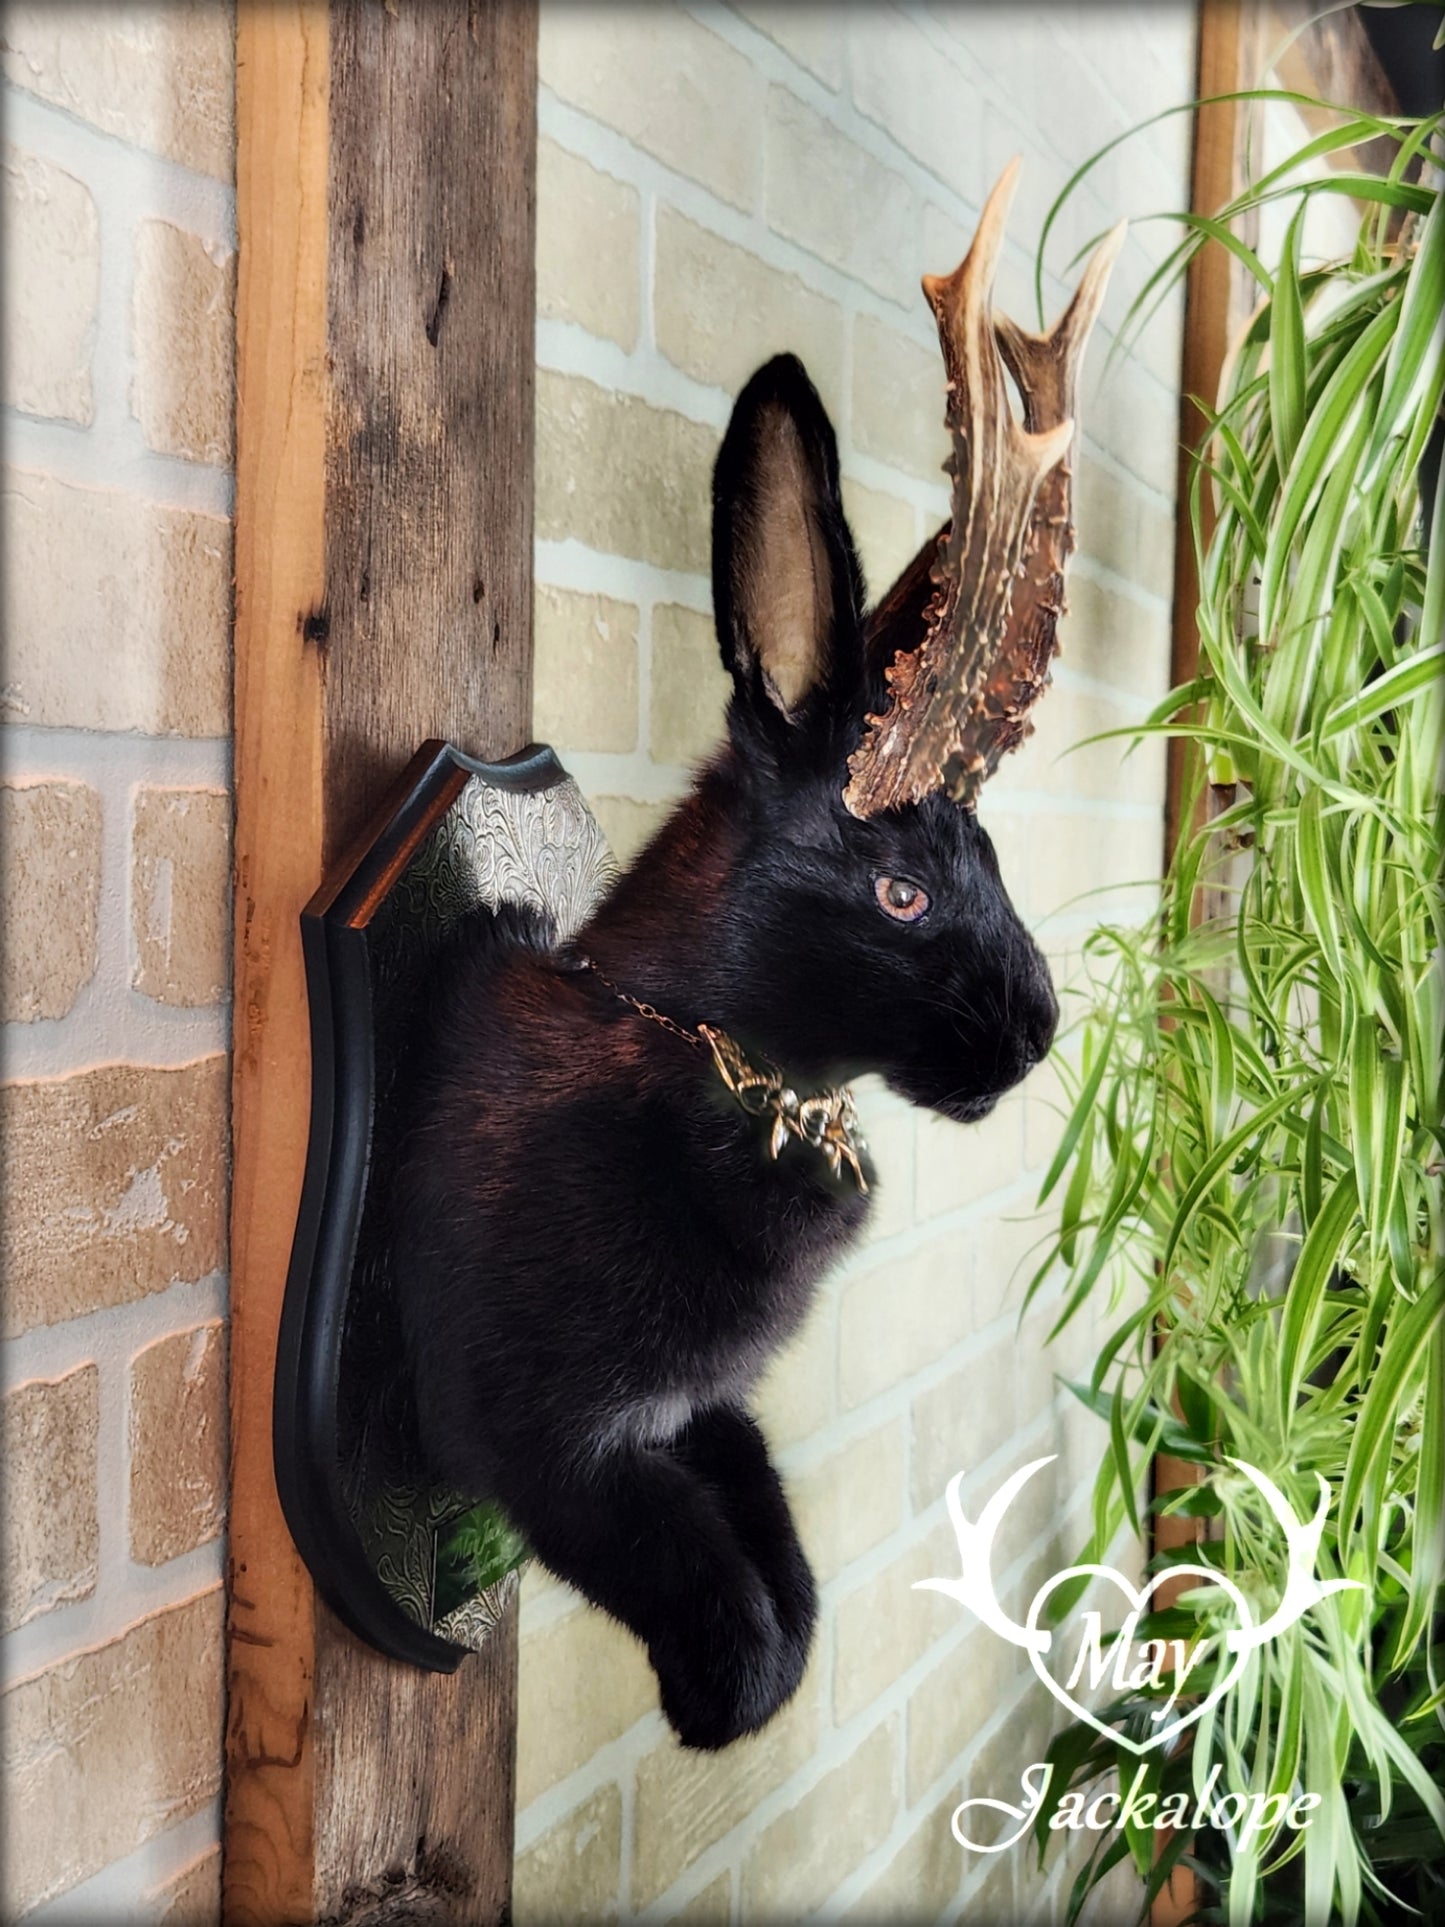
[958,701]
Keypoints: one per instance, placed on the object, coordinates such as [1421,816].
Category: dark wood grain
[427,616]
[415,1777]
[386,175]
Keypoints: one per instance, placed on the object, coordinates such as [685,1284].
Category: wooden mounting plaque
[456,837]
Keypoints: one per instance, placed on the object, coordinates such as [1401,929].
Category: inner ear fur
[783,574]
[786,584]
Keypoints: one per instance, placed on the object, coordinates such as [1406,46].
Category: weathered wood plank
[427,624]
[386,199]
[429,485]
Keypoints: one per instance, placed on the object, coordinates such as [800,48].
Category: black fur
[595,1255]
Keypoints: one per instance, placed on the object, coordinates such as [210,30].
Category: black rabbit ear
[787,590]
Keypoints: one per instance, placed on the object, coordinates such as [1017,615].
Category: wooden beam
[1216,303]
[385,201]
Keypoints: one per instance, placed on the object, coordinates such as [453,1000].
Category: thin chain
[650,1011]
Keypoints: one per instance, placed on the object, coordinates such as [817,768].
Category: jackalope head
[866,925]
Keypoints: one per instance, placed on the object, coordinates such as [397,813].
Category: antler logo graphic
[1101,1657]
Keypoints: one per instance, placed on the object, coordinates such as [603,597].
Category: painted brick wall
[114,810]
[717,184]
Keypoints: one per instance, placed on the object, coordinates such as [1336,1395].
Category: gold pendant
[827,1120]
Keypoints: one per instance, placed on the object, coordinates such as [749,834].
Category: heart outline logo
[1303,1589]
[1138,1597]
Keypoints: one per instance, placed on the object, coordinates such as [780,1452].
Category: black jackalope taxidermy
[632,1158]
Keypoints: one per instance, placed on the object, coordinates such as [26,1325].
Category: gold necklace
[827,1120]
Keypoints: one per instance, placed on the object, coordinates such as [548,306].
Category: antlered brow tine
[958,699]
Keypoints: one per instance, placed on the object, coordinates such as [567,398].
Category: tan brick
[177,1443]
[52,272]
[627,824]
[162,79]
[890,1134]
[1122,527]
[686,1801]
[959,1164]
[996,1769]
[1032,1528]
[183,330]
[949,1706]
[883,535]
[192,1898]
[883,1626]
[720,312]
[116,1181]
[583,1681]
[902,1314]
[1009,1247]
[796,1396]
[897,400]
[1008,832]
[964,1419]
[851,1501]
[705,121]
[622,476]
[920,1879]
[571,1874]
[49,896]
[807,1853]
[1077,750]
[810,34]
[690,687]
[1132,417]
[1073,857]
[181,895]
[49,1530]
[916,92]
[584,683]
[832,198]
[589,246]
[104,1750]
[990,1901]
[712,1907]
[117,612]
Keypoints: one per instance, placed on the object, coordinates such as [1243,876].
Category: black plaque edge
[333,1195]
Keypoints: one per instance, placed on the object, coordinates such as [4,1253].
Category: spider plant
[1250,1169]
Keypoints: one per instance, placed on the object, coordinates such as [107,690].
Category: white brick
[52,278]
[584,677]
[589,242]
[898,400]
[720,312]
[162,78]
[917,93]
[117,612]
[665,82]
[851,1501]
[827,194]
[883,534]
[902,1314]
[813,35]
